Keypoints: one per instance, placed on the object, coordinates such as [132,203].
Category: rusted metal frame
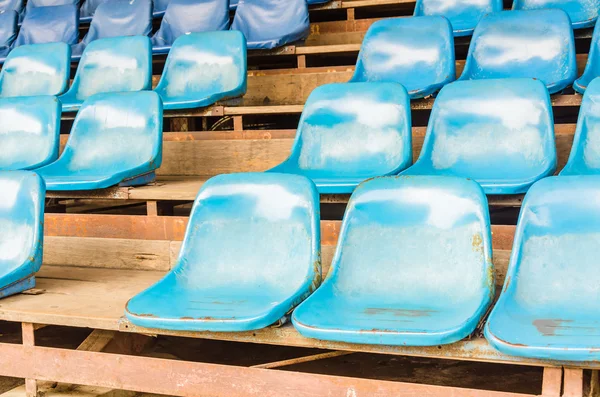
[304,359]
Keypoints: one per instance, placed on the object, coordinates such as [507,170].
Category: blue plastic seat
[416,52]
[8,31]
[11,5]
[536,44]
[116,139]
[498,132]
[21,230]
[592,67]
[413,266]
[462,14]
[36,69]
[116,18]
[185,16]
[548,308]
[233,3]
[268,24]
[226,278]
[29,132]
[49,24]
[583,13]
[203,68]
[30,4]
[585,152]
[116,64]
[351,132]
[87,10]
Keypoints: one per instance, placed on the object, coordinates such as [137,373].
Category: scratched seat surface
[498,132]
[29,132]
[251,253]
[535,44]
[592,67]
[116,64]
[116,18]
[269,24]
[36,69]
[49,24]
[462,14]
[416,52]
[583,13]
[184,16]
[203,68]
[116,139]
[351,132]
[22,196]
[585,151]
[8,31]
[549,304]
[393,279]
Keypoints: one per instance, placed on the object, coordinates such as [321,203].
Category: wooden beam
[573,382]
[28,331]
[303,359]
[552,382]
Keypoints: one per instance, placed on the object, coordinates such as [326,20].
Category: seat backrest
[554,259]
[232,218]
[8,30]
[420,240]
[536,44]
[268,24]
[203,64]
[11,5]
[29,132]
[185,16]
[360,129]
[462,14]
[494,131]
[583,13]
[49,24]
[592,67]
[115,64]
[114,132]
[416,52]
[21,217]
[36,69]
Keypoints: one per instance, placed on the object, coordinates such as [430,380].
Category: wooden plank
[573,382]
[552,382]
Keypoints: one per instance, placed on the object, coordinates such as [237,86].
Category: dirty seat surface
[592,67]
[583,13]
[462,14]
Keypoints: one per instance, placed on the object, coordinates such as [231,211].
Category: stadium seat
[269,24]
[116,64]
[537,44]
[203,68]
[394,279]
[116,139]
[49,24]
[117,18]
[592,67]
[548,308]
[585,152]
[87,10]
[160,6]
[21,231]
[11,5]
[8,31]
[227,278]
[583,13]
[29,132]
[462,14]
[185,16]
[498,132]
[416,52]
[36,69]
[351,132]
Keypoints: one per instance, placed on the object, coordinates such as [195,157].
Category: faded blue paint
[585,152]
[203,68]
[185,16]
[49,24]
[116,137]
[548,308]
[583,13]
[413,265]
[462,14]
[268,24]
[36,69]
[251,253]
[117,64]
[498,132]
[22,196]
[592,67]
[416,52]
[117,18]
[29,132]
[8,31]
[351,132]
[536,44]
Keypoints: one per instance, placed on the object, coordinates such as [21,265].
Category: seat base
[17,287]
[139,180]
